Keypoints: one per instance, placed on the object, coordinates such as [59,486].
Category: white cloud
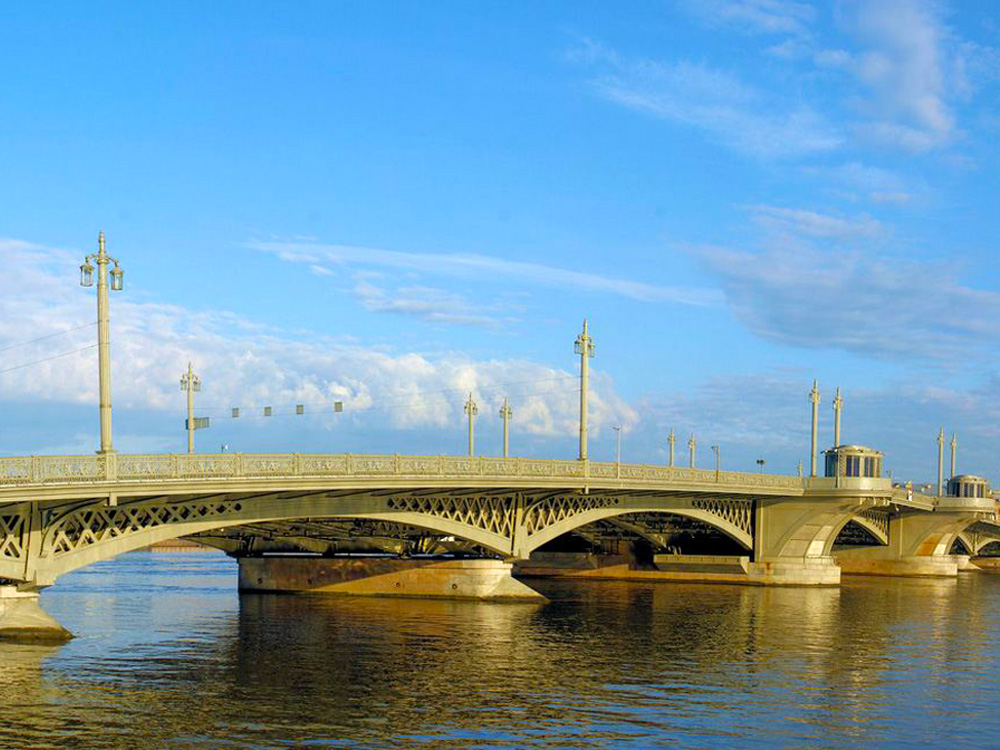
[906,64]
[874,184]
[813,224]
[429,303]
[857,300]
[728,110]
[489,268]
[755,16]
[242,363]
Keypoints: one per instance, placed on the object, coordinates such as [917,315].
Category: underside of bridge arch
[333,536]
[990,549]
[643,534]
[962,546]
[859,532]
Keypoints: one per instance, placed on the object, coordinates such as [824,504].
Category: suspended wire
[328,407]
[47,359]
[49,336]
[401,400]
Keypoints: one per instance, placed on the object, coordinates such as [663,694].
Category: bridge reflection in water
[605,664]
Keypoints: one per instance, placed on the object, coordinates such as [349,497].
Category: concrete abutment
[23,619]
[478,579]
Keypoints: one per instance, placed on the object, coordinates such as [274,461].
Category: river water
[168,655]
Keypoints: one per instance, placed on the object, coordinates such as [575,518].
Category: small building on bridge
[853,461]
[968,485]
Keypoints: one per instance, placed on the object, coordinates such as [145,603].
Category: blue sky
[394,203]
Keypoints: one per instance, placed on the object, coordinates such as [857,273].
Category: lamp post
[761,462]
[717,450]
[814,398]
[584,346]
[472,410]
[505,414]
[618,450]
[190,383]
[940,442]
[692,446]
[102,259]
[954,453]
[838,406]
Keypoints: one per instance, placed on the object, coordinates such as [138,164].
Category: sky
[394,204]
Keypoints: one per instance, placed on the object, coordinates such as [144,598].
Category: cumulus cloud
[242,363]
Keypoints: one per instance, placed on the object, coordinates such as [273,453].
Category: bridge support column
[384,576]
[22,618]
[792,541]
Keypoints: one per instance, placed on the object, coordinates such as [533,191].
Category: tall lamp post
[102,259]
[584,346]
[472,410]
[190,383]
[505,414]
[618,450]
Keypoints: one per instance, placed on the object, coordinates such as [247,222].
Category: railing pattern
[62,470]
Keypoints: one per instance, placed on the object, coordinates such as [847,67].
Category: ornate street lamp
[472,410]
[192,384]
[103,329]
[584,346]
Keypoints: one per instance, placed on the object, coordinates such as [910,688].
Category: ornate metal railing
[127,468]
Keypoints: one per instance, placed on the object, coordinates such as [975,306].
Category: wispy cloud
[856,300]
[799,221]
[429,303]
[730,111]
[755,16]
[905,62]
[487,267]
[874,184]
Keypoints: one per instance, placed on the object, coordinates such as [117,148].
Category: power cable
[49,336]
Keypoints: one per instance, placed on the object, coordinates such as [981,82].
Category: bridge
[457,526]
[60,513]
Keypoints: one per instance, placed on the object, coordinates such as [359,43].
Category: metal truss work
[13,534]
[492,514]
[739,513]
[91,525]
[875,521]
[70,535]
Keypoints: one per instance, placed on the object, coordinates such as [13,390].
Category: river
[168,655]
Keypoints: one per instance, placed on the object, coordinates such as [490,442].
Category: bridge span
[60,513]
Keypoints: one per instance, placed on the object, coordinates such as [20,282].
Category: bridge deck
[67,476]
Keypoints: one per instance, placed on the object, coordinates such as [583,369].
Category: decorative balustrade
[129,468]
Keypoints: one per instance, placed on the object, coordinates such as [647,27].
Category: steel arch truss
[42,540]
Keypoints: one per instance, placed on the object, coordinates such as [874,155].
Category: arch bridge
[60,513]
